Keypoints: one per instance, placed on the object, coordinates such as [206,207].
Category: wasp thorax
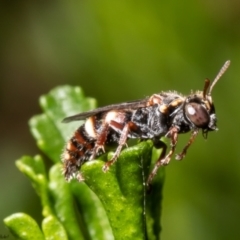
[197,114]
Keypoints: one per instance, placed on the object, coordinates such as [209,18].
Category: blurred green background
[120,51]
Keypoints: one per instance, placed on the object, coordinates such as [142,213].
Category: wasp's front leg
[181,155]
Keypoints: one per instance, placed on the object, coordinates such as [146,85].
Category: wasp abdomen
[79,149]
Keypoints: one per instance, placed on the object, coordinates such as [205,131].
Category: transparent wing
[121,106]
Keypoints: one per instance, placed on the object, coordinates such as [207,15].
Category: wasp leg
[164,160]
[159,145]
[101,139]
[181,155]
[121,143]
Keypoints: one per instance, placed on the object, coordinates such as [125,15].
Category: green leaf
[63,202]
[93,214]
[153,202]
[23,227]
[34,169]
[53,229]
[122,190]
[112,205]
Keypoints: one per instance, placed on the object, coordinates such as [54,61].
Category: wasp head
[199,107]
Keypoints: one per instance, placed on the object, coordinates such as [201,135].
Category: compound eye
[197,114]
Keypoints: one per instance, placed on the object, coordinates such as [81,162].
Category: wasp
[166,114]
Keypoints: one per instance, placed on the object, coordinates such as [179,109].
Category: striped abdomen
[78,150]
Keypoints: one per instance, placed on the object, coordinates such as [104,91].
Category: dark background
[120,51]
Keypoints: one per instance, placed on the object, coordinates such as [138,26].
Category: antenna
[206,86]
[221,72]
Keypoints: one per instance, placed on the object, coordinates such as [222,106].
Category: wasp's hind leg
[122,141]
[100,141]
